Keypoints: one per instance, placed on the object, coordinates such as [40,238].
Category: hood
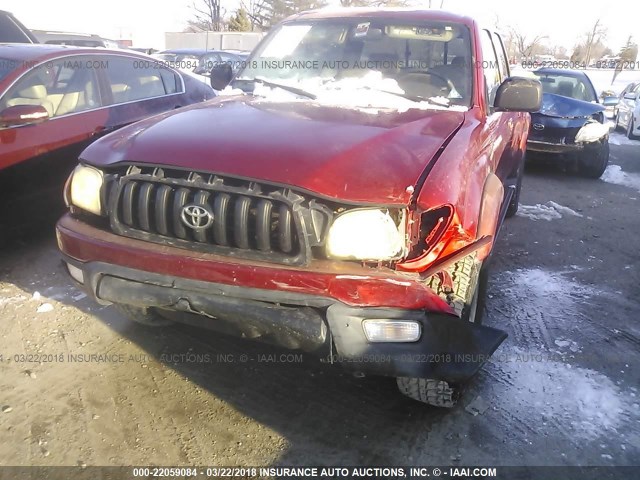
[339,153]
[565,107]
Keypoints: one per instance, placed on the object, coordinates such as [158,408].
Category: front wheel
[593,164]
[437,393]
[467,300]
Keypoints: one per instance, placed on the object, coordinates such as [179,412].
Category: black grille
[562,136]
[250,220]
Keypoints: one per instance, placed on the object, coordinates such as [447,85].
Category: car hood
[565,107]
[339,153]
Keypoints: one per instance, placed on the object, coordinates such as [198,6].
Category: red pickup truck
[343,196]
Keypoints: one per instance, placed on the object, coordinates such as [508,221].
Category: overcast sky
[145,21]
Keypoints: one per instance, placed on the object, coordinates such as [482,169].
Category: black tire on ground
[593,164]
[467,299]
[630,127]
[432,392]
[143,316]
[512,209]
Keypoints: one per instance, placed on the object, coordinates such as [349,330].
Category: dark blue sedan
[570,126]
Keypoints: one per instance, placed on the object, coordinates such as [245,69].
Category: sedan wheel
[630,128]
[594,163]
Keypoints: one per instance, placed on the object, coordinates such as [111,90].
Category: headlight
[591,132]
[366,235]
[86,184]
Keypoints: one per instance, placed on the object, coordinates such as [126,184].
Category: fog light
[391,330]
[75,273]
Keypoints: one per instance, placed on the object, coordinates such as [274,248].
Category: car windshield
[364,63]
[566,86]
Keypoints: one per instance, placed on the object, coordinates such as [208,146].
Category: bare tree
[525,46]
[207,15]
[598,33]
[257,13]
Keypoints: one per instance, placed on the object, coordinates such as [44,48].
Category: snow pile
[536,386]
[369,93]
[536,286]
[596,406]
[620,139]
[614,174]
[550,211]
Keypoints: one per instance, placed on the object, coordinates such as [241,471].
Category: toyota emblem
[538,126]
[197,217]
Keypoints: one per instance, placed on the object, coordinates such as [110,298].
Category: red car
[56,100]
[343,196]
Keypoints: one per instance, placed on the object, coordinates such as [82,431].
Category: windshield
[375,62]
[566,86]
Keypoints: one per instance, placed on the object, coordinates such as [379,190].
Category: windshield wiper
[289,88]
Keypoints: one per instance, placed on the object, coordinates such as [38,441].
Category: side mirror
[610,101]
[23,115]
[518,94]
[630,96]
[220,76]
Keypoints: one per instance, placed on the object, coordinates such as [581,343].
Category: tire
[467,299]
[469,288]
[630,127]
[512,209]
[593,165]
[144,316]
[437,393]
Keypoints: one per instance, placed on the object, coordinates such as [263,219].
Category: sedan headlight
[366,235]
[592,132]
[86,184]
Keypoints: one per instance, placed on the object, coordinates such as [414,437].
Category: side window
[503,64]
[170,81]
[490,65]
[62,87]
[132,79]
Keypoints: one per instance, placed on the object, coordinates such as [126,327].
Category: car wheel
[143,315]
[593,164]
[512,209]
[437,393]
[630,128]
[467,298]
[469,280]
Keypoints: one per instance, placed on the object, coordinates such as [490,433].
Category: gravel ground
[79,385]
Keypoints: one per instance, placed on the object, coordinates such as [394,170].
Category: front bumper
[448,348]
[539,146]
[550,147]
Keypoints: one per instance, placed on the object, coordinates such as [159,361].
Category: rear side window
[132,79]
